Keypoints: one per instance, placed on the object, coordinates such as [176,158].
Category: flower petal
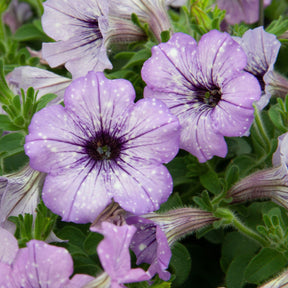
[8,247]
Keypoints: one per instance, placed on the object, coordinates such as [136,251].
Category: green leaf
[180,263]
[211,182]
[174,201]
[236,270]
[6,124]
[29,32]
[264,265]
[138,58]
[11,142]
[236,244]
[278,26]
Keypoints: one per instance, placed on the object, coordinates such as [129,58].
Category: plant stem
[250,233]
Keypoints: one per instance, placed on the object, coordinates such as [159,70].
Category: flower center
[103,147]
[212,97]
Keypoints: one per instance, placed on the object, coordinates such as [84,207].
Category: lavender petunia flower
[157,232]
[42,80]
[20,194]
[16,14]
[262,50]
[79,28]
[271,183]
[241,10]
[37,265]
[103,146]
[113,252]
[206,87]
[84,30]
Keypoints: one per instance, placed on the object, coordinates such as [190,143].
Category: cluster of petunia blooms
[100,157]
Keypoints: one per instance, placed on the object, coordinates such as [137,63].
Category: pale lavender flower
[103,146]
[16,14]
[262,50]
[206,87]
[176,3]
[241,10]
[37,265]
[20,194]
[79,27]
[41,80]
[85,29]
[271,183]
[157,232]
[276,84]
[114,255]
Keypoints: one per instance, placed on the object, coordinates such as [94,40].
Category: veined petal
[40,79]
[100,101]
[153,184]
[148,119]
[84,193]
[56,142]
[21,194]
[216,54]
[114,254]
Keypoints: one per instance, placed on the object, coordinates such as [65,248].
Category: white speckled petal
[152,132]
[57,138]
[139,187]
[216,56]
[169,67]
[42,265]
[99,101]
[199,138]
[6,278]
[8,247]
[80,194]
[114,255]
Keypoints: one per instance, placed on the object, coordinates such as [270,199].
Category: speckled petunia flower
[103,146]
[37,265]
[262,50]
[84,30]
[205,86]
[79,28]
[114,255]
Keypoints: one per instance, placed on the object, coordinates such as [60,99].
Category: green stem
[261,13]
[250,233]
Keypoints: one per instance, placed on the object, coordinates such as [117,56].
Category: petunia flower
[241,10]
[41,80]
[37,265]
[205,86]
[262,50]
[84,30]
[79,27]
[16,14]
[114,255]
[20,194]
[271,183]
[103,146]
[157,232]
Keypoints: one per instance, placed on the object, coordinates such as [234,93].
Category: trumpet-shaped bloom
[37,265]
[103,146]
[114,255]
[205,86]
[79,28]
[20,194]
[262,50]
[241,10]
[156,233]
[271,183]
[84,30]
